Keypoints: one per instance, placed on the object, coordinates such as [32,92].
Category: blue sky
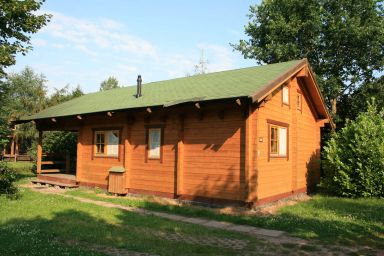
[89,40]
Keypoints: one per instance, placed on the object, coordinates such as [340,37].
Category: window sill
[152,158]
[105,156]
[277,156]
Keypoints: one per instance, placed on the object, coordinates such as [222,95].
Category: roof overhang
[303,72]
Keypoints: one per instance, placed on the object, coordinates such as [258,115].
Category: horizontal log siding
[91,169]
[153,175]
[283,175]
[214,155]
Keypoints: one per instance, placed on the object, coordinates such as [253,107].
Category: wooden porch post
[250,182]
[13,146]
[127,155]
[179,190]
[39,151]
[16,148]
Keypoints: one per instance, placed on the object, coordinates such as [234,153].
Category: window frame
[276,128]
[96,144]
[299,95]
[276,124]
[104,132]
[147,150]
[286,86]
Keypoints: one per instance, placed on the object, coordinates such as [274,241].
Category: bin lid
[116,169]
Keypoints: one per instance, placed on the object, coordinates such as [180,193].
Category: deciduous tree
[343,40]
[110,83]
[18,20]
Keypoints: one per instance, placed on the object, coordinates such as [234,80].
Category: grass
[23,170]
[328,219]
[45,224]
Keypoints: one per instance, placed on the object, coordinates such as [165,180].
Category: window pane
[113,143]
[282,141]
[298,101]
[286,95]
[154,143]
[274,141]
[100,148]
[99,143]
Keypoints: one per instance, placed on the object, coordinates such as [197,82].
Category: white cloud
[111,24]
[177,65]
[111,50]
[86,50]
[86,35]
[219,57]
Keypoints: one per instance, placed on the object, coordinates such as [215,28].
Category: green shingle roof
[243,82]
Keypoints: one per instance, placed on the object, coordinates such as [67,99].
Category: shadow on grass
[329,219]
[124,230]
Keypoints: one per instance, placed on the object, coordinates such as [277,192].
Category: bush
[7,179]
[354,157]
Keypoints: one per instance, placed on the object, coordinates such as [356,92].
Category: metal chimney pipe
[139,80]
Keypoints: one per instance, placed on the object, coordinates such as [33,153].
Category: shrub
[354,157]
[7,179]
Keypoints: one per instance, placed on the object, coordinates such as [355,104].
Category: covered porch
[54,169]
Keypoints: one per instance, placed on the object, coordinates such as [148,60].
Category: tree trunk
[334,108]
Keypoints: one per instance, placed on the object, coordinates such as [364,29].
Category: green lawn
[45,224]
[328,219]
[23,170]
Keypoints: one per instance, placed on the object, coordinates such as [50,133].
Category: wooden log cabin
[249,135]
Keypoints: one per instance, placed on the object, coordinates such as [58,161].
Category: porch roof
[245,82]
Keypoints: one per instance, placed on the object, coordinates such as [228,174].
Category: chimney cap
[139,80]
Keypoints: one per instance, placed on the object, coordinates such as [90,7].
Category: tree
[343,40]
[352,104]
[110,83]
[18,20]
[26,94]
[64,94]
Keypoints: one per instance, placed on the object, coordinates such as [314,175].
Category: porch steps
[52,170]
[58,178]
[54,183]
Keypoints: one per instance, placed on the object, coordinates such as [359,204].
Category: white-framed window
[278,141]
[285,96]
[154,143]
[106,143]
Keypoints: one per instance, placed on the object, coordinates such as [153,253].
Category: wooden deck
[57,179]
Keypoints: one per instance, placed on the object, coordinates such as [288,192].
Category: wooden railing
[16,157]
[58,163]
